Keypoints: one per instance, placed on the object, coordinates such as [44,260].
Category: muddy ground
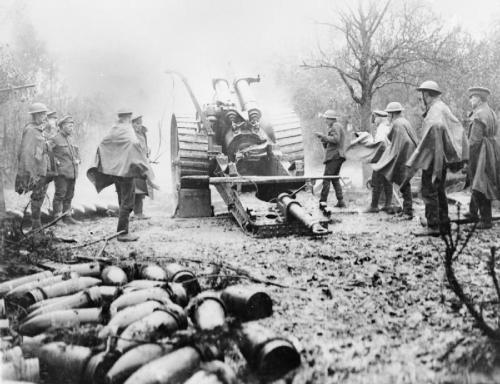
[366,304]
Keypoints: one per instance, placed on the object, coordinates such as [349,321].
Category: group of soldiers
[48,154]
[396,154]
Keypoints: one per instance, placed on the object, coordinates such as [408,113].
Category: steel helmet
[330,114]
[429,85]
[378,112]
[37,108]
[394,106]
[479,91]
[124,111]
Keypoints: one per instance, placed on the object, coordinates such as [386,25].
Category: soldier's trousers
[434,196]
[332,168]
[480,204]
[38,196]
[63,195]
[379,184]
[139,203]
[125,188]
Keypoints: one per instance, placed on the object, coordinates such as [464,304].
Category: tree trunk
[366,114]
[365,125]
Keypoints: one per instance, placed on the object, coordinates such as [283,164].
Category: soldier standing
[392,164]
[67,159]
[443,146]
[33,162]
[484,163]
[119,160]
[333,142]
[379,182]
[141,186]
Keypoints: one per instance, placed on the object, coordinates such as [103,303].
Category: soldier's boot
[339,194]
[56,212]
[388,208]
[36,211]
[68,219]
[138,208]
[123,221]
[485,212]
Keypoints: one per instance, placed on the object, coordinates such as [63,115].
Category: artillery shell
[97,367]
[14,354]
[176,367]
[213,372]
[83,269]
[62,288]
[140,296]
[142,284]
[87,298]
[152,272]
[126,317]
[11,284]
[62,318]
[248,303]
[28,369]
[24,288]
[167,319]
[44,303]
[135,358]
[64,363]
[208,311]
[113,275]
[267,353]
[178,294]
[178,274]
[31,345]
[108,292]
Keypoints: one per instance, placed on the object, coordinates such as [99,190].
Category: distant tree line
[377,52]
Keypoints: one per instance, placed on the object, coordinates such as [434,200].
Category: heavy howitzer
[228,146]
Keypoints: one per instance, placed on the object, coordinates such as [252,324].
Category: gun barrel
[293,209]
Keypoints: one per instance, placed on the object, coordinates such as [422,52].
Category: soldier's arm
[476,132]
[334,134]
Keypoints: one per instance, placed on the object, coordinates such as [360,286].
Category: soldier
[141,187]
[51,128]
[120,159]
[484,163]
[392,165]
[378,181]
[443,145]
[67,159]
[33,165]
[333,143]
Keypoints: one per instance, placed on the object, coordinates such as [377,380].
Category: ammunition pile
[137,315]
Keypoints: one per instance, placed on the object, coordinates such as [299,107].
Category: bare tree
[385,43]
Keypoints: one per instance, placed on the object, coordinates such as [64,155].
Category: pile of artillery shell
[136,316]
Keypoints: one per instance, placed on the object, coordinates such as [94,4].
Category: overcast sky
[121,47]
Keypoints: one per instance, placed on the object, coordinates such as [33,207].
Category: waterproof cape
[119,154]
[403,141]
[444,142]
[484,164]
[365,149]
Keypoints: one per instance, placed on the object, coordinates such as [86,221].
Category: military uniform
[141,186]
[392,164]
[333,143]
[378,181]
[67,159]
[34,168]
[443,145]
[484,162]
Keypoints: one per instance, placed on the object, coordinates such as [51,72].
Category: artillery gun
[228,145]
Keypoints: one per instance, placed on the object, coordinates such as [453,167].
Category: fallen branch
[238,270]
[105,238]
[48,225]
[106,242]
